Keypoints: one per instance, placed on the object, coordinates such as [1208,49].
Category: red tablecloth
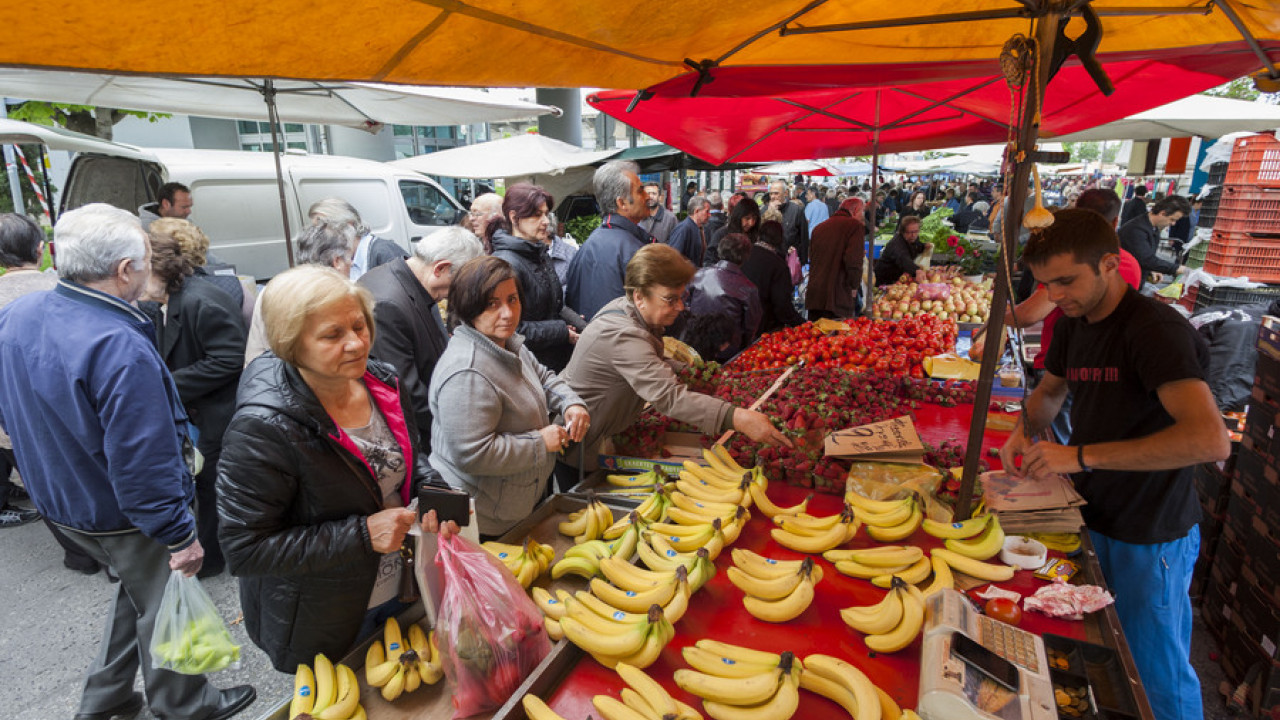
[716,610]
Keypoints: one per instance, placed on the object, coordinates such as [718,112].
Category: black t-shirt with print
[1113,368]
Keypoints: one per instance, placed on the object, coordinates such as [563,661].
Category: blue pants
[1151,585]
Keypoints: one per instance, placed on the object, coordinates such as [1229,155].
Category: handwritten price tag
[892,440]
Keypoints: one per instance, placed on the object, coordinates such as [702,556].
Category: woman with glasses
[617,365]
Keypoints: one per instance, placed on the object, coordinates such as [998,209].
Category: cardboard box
[1267,375]
[1259,616]
[1213,487]
[1239,652]
[1228,557]
[1260,432]
[1241,507]
[680,446]
[1214,608]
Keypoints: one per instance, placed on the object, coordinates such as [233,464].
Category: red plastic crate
[1249,209]
[1255,160]
[1260,262]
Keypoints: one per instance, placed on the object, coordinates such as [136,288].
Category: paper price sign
[893,440]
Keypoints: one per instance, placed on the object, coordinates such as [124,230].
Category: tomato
[1004,610]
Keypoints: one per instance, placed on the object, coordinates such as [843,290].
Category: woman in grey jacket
[491,401]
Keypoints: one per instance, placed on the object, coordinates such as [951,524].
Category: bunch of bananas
[589,523]
[654,477]
[685,510]
[887,521]
[527,562]
[634,638]
[396,669]
[737,683]
[980,537]
[815,534]
[881,564]
[643,699]
[776,590]
[891,624]
[553,610]
[329,693]
[847,686]
[658,555]
[990,572]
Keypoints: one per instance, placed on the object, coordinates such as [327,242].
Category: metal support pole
[1046,30]
[869,275]
[273,117]
[11,169]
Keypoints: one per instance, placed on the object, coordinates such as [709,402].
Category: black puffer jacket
[541,299]
[293,502]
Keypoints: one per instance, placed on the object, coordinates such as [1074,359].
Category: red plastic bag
[490,633]
[793,265]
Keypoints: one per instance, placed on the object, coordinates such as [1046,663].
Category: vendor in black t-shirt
[1142,416]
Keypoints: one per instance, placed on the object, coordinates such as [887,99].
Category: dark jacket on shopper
[897,258]
[724,290]
[410,334]
[835,264]
[1141,239]
[293,499]
[597,272]
[690,240]
[541,299]
[201,339]
[768,271]
[1133,207]
[795,230]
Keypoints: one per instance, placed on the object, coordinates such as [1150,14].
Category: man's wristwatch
[1080,459]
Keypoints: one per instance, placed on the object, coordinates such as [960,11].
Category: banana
[381,673]
[585,602]
[701,531]
[549,606]
[679,603]
[348,696]
[985,545]
[721,456]
[866,572]
[874,506]
[769,508]
[696,505]
[716,664]
[886,556]
[875,619]
[613,709]
[702,571]
[666,560]
[620,526]
[956,530]
[830,690]
[654,507]
[536,709]
[304,691]
[629,577]
[430,669]
[773,588]
[889,709]
[815,522]
[781,706]
[839,534]
[326,684]
[974,568]
[411,678]
[630,481]
[764,567]
[582,566]
[680,516]
[888,518]
[787,608]
[900,532]
[624,547]
[653,694]
[393,638]
[688,542]
[631,600]
[734,526]
[906,630]
[554,631]
[625,640]
[792,525]
[909,715]
[707,493]
[732,690]
[700,474]
[660,633]
[591,550]
[850,678]
[739,654]
[360,714]
[395,686]
[574,526]
[917,573]
[632,699]
[527,573]
[942,577]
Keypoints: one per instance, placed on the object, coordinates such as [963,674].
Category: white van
[237,201]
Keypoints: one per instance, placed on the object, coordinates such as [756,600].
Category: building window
[256,136]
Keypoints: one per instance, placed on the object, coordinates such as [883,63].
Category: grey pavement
[53,620]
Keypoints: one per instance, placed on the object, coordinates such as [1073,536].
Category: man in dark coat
[410,332]
[1135,206]
[835,270]
[717,220]
[597,272]
[767,270]
[795,229]
[1141,236]
[690,237]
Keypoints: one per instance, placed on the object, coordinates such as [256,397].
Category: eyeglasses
[671,300]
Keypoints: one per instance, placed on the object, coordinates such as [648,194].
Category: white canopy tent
[364,106]
[560,168]
[1201,115]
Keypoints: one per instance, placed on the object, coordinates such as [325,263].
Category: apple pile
[936,293]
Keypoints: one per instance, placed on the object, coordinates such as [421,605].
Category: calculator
[975,667]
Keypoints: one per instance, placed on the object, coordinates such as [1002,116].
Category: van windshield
[427,205]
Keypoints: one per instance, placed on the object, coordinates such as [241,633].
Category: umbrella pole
[273,117]
[1028,131]
[868,282]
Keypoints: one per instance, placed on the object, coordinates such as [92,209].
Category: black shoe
[13,516]
[87,566]
[126,709]
[233,700]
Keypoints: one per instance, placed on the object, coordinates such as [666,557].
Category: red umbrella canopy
[770,114]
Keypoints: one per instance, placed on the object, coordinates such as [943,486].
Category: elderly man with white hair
[101,436]
[371,251]
[410,331]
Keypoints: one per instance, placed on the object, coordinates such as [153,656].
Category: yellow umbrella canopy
[569,42]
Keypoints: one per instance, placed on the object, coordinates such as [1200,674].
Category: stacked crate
[1246,221]
[1241,601]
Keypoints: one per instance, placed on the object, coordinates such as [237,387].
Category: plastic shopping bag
[490,633]
[189,635]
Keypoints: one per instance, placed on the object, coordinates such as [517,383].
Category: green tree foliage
[1242,89]
[87,119]
[1092,151]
